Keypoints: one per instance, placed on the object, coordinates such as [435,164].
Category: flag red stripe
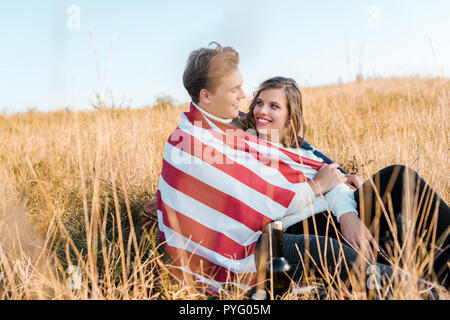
[292,175]
[234,135]
[205,267]
[213,198]
[303,160]
[196,148]
[202,235]
[197,264]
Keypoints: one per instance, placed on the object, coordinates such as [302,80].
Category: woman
[362,212]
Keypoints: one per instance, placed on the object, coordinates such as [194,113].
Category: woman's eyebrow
[271,102]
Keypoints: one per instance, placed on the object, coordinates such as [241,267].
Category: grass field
[73,183]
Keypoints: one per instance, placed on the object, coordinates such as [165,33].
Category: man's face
[224,102]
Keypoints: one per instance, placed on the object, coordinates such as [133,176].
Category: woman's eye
[258,103]
[274,106]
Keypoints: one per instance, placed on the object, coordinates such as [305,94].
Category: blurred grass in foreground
[73,183]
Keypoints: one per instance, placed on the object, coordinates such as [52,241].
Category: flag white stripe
[176,240]
[305,169]
[270,174]
[206,215]
[210,282]
[222,181]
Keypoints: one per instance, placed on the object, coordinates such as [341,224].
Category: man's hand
[353,181]
[357,235]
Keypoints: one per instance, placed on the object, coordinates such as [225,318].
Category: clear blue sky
[142,45]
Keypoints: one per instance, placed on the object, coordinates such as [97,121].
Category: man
[211,216]
[214,82]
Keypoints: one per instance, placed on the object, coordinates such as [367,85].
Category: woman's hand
[354,181]
[326,178]
[357,235]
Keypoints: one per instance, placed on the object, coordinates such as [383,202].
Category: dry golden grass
[73,184]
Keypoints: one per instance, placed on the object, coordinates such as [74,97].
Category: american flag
[219,186]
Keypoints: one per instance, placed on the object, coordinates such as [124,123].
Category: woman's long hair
[289,134]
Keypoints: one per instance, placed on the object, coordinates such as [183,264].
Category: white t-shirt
[338,200]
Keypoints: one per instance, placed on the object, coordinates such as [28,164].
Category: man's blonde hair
[206,66]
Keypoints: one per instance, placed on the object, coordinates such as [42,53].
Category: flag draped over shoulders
[219,186]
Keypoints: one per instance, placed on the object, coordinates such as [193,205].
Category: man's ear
[204,96]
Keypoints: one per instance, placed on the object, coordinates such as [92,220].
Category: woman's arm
[327,177]
[357,235]
[340,200]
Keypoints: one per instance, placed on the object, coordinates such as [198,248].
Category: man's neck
[212,117]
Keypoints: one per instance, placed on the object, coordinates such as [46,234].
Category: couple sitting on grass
[226,175]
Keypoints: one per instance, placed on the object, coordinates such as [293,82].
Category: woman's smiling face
[271,113]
